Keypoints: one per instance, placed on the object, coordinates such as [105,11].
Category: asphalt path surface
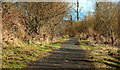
[69,55]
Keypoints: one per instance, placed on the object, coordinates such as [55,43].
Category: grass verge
[102,56]
[18,56]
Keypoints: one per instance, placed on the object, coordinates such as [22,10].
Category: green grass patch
[40,44]
[64,39]
[118,51]
[56,44]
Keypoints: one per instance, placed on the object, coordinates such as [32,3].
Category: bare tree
[106,13]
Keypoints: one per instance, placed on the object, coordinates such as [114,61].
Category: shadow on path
[68,56]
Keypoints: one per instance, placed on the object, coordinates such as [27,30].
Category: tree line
[44,21]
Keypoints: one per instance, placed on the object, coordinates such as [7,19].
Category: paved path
[68,56]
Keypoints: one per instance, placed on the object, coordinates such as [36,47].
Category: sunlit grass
[101,56]
[18,56]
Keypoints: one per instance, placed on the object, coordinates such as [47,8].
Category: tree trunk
[119,25]
[112,40]
[77,10]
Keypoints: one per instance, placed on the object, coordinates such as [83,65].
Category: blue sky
[85,6]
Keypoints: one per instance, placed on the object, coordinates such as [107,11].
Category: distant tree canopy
[104,22]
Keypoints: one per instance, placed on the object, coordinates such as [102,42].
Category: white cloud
[87,5]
